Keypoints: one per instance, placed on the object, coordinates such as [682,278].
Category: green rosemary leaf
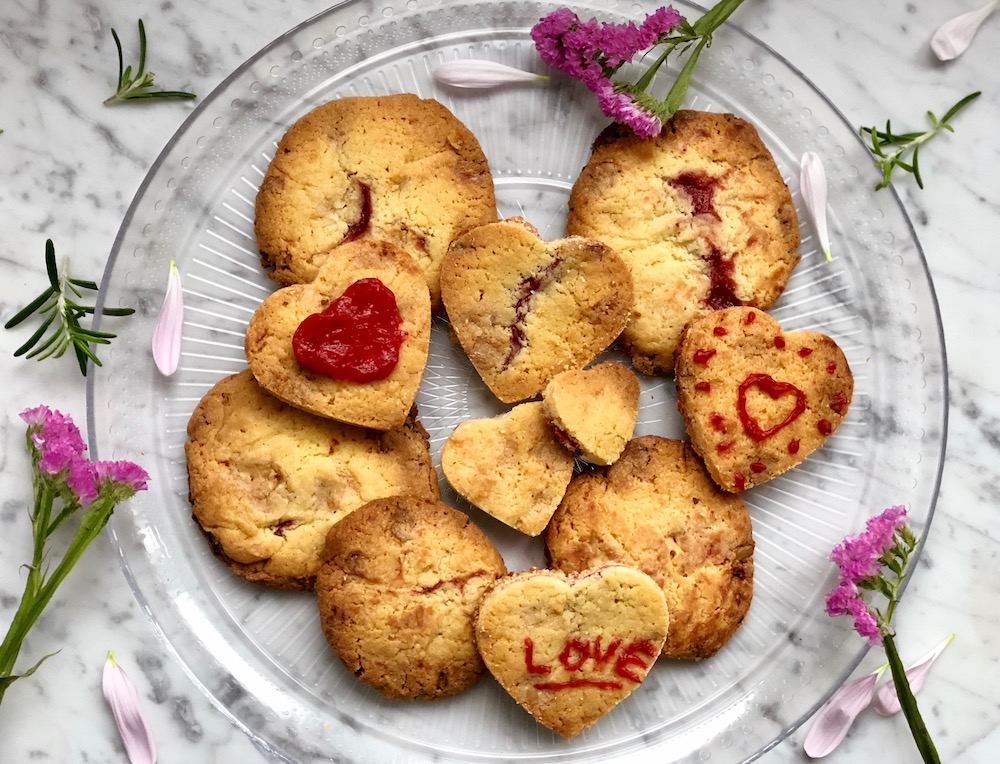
[34,338]
[135,86]
[50,264]
[30,308]
[84,284]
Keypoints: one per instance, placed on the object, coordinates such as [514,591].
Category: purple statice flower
[622,107]
[56,440]
[859,556]
[122,478]
[865,622]
[82,480]
[839,597]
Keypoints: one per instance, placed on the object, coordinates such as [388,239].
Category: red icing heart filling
[357,338]
[772,387]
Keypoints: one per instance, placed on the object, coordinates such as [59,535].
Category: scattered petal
[473,73]
[831,724]
[167,332]
[812,180]
[887,702]
[955,35]
[123,699]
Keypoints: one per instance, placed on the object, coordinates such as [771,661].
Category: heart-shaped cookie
[351,345]
[757,400]
[511,466]
[569,648]
[525,309]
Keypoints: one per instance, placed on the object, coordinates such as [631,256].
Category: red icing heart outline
[356,338]
[775,389]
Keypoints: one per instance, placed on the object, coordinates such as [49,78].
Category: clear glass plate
[259,654]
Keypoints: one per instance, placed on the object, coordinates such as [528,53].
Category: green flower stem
[921,736]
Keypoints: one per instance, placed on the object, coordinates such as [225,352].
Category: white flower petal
[887,702]
[123,699]
[167,332]
[812,182]
[955,35]
[831,724]
[474,73]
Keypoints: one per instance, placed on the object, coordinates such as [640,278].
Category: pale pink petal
[123,699]
[474,73]
[955,35]
[887,702]
[812,181]
[167,332]
[831,724]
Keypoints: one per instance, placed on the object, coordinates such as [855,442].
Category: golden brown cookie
[395,168]
[510,466]
[525,309]
[757,400]
[657,509]
[397,591]
[267,480]
[594,410]
[570,648]
[700,214]
[380,403]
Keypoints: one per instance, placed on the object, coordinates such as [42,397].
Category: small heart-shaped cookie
[570,648]
[327,347]
[525,309]
[594,410]
[757,400]
[511,466]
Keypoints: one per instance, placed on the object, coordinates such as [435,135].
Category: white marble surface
[70,167]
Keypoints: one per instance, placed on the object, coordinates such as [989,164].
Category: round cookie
[382,404]
[395,168]
[525,309]
[400,583]
[594,410]
[757,400]
[511,466]
[702,217]
[658,510]
[267,480]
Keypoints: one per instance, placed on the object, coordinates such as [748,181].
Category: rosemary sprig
[900,144]
[131,87]
[62,317]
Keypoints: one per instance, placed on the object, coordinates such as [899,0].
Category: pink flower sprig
[594,52]
[61,472]
[873,564]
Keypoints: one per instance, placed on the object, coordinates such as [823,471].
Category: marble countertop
[71,166]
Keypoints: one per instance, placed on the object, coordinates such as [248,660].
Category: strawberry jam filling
[357,338]
[524,292]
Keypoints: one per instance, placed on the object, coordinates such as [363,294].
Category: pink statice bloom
[56,438]
[124,478]
[82,480]
[858,556]
[865,622]
[837,601]
[622,107]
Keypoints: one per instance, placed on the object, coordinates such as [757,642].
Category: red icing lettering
[703,356]
[793,446]
[529,658]
[739,480]
[824,427]
[779,342]
[758,466]
[805,352]
[831,368]
[357,338]
[633,657]
[839,402]
[571,684]
[578,647]
[775,389]
[703,387]
[717,421]
[601,659]
[720,331]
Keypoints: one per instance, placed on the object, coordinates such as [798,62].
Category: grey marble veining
[69,168]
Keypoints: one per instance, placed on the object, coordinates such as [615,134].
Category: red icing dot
[717,421]
[824,427]
[357,337]
[724,446]
[793,446]
[831,367]
[779,342]
[720,331]
[739,480]
[702,355]
[839,402]
[758,466]
[751,317]
[805,352]
[703,387]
